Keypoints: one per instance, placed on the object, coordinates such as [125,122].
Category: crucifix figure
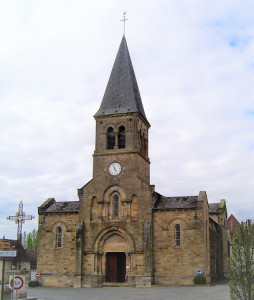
[19,219]
[124,20]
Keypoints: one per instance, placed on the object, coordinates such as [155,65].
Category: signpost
[8,253]
[3,254]
[19,282]
[37,275]
[5,245]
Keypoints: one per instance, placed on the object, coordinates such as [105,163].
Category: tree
[242,263]
[24,239]
[29,240]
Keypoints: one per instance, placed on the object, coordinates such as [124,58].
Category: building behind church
[24,263]
[121,230]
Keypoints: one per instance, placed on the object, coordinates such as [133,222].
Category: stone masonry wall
[57,265]
[135,201]
[177,265]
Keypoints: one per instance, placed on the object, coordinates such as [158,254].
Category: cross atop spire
[19,219]
[124,20]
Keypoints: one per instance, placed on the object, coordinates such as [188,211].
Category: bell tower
[121,123]
[115,207]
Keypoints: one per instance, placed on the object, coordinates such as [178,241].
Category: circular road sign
[199,272]
[18,282]
[37,275]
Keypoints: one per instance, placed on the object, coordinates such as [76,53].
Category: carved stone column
[127,208]
[128,203]
[116,140]
[79,255]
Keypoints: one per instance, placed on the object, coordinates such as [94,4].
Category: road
[218,292]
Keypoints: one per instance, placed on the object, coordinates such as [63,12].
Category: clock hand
[114,167]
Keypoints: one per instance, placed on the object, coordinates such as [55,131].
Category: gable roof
[176,202]
[51,206]
[122,93]
[214,208]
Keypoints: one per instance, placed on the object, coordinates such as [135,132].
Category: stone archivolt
[117,234]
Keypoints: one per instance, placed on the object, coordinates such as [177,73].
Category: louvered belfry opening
[121,137]
[110,138]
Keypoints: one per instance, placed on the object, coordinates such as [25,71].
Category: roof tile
[62,207]
[176,202]
[214,208]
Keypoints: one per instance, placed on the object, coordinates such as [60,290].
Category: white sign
[19,282]
[8,253]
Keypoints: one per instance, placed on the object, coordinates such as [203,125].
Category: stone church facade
[121,231]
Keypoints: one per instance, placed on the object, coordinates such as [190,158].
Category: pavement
[216,292]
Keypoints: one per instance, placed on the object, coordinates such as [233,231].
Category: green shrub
[200,279]
[241,262]
[33,283]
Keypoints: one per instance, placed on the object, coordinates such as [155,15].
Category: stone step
[117,284]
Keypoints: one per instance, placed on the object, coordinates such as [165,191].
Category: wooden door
[111,275]
[116,267]
[121,267]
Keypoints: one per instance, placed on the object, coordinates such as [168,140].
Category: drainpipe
[153,262]
[82,252]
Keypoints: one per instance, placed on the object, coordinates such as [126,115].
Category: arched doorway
[115,248]
[115,266]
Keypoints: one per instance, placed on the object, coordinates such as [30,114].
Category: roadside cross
[19,219]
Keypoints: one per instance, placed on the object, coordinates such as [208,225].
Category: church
[121,231]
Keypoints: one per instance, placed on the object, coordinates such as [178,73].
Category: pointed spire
[122,93]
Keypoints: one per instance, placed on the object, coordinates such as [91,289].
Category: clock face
[114,168]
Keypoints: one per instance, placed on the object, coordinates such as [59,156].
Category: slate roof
[51,206]
[176,202]
[214,208]
[122,93]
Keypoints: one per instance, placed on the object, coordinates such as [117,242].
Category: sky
[194,64]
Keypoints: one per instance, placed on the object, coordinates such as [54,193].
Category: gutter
[153,250]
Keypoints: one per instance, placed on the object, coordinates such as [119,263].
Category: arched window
[58,237]
[111,138]
[121,137]
[177,235]
[115,206]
